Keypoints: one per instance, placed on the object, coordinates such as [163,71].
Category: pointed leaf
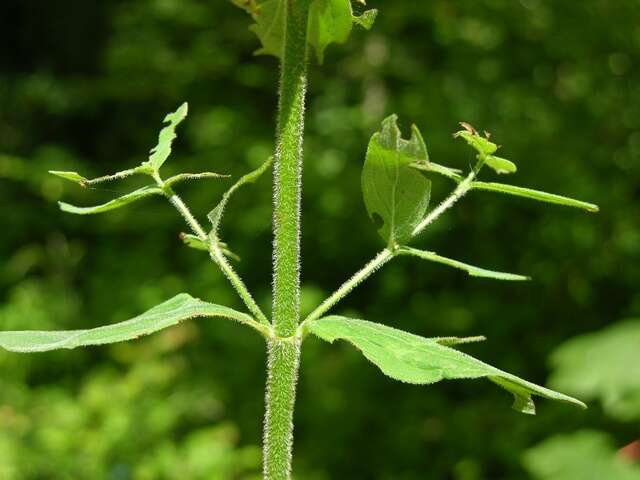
[194,242]
[534,195]
[470,269]
[113,204]
[480,144]
[396,195]
[173,311]
[500,165]
[162,150]
[413,359]
[192,176]
[215,215]
[71,176]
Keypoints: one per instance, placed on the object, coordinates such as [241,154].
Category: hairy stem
[214,251]
[284,349]
[386,255]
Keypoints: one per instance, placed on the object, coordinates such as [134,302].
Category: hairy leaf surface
[396,195]
[169,313]
[413,359]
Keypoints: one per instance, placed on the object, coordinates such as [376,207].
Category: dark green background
[84,86]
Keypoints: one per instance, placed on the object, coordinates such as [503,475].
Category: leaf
[162,150]
[480,144]
[366,19]
[330,21]
[169,313]
[470,269]
[534,195]
[71,176]
[396,195]
[597,366]
[113,204]
[194,242]
[215,215]
[192,176]
[500,165]
[418,360]
[585,454]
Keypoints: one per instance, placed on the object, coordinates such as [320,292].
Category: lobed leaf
[470,269]
[167,314]
[534,195]
[162,150]
[396,195]
[418,360]
[113,204]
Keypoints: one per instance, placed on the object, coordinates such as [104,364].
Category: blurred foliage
[613,380]
[84,85]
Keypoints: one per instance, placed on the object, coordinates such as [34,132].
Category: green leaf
[71,176]
[597,366]
[162,150]
[215,215]
[194,242]
[396,195]
[500,165]
[418,360]
[584,455]
[470,269]
[480,144]
[330,21]
[534,195]
[173,311]
[113,204]
[367,19]
[192,176]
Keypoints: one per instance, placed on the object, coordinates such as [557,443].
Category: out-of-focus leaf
[169,313]
[500,165]
[413,359]
[71,176]
[162,150]
[330,21]
[113,204]
[534,195]
[470,269]
[603,365]
[585,455]
[193,242]
[396,195]
[215,215]
[366,19]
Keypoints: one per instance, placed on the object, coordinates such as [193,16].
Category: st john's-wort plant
[396,187]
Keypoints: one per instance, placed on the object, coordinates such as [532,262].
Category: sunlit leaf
[500,165]
[470,269]
[169,313]
[584,455]
[396,195]
[599,365]
[534,195]
[418,360]
[480,144]
[162,150]
[113,204]
[215,215]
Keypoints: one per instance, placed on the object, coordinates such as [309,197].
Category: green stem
[284,349]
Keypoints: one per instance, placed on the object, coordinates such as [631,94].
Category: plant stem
[361,275]
[214,252]
[284,349]
[386,255]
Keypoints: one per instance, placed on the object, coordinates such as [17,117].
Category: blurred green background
[84,86]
